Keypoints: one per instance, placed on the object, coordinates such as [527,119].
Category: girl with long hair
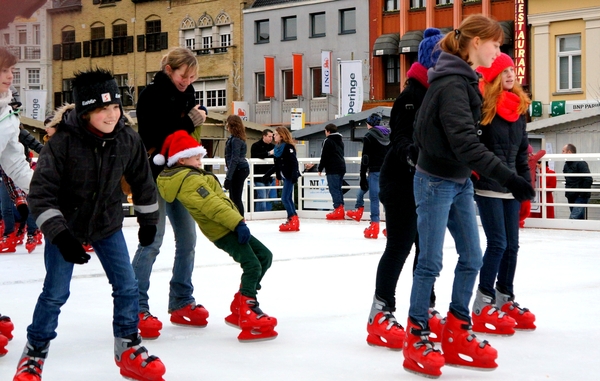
[238,168]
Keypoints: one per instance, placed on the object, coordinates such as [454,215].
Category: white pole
[339,65]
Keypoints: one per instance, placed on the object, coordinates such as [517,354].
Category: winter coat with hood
[202,195]
[375,145]
[446,129]
[161,110]
[332,155]
[77,181]
[12,159]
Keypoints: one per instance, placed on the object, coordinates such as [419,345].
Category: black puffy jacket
[332,155]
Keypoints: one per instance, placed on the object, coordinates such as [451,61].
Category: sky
[320,289]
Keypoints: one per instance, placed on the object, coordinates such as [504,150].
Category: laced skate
[6,327]
[524,319]
[356,214]
[149,326]
[383,328]
[191,315]
[420,355]
[31,363]
[489,319]
[372,231]
[291,225]
[255,324]
[436,325]
[8,244]
[134,362]
[30,244]
[337,214]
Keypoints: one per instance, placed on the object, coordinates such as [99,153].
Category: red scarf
[418,72]
[508,106]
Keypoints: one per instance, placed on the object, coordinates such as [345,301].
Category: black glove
[23,212]
[243,233]
[364,184]
[226,184]
[146,234]
[70,248]
[520,188]
[411,154]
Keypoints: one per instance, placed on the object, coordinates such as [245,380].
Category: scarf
[508,106]
[278,150]
[418,72]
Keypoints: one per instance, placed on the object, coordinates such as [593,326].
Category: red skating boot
[436,325]
[3,344]
[337,214]
[420,355]
[193,314]
[38,236]
[9,243]
[383,328]
[1,228]
[489,319]
[462,349]
[134,362]
[149,326]
[88,248]
[6,327]
[234,319]
[524,319]
[31,363]
[292,225]
[255,324]
[356,214]
[20,234]
[30,244]
[372,231]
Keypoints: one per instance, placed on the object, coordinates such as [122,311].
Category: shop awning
[410,41]
[509,31]
[386,44]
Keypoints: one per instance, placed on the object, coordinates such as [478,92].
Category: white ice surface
[320,289]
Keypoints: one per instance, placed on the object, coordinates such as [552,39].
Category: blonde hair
[179,57]
[285,134]
[236,126]
[457,42]
[492,92]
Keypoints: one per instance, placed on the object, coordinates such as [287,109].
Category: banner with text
[351,87]
[35,104]
[326,71]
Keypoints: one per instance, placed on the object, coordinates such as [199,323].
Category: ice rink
[320,289]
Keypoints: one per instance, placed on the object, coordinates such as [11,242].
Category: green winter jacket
[201,194]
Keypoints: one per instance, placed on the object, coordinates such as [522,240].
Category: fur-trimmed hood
[64,110]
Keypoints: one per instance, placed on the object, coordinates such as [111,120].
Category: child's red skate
[255,324]
[191,315]
[383,328]
[420,355]
[234,318]
[462,349]
[436,325]
[493,321]
[6,327]
[31,363]
[149,326]
[134,362]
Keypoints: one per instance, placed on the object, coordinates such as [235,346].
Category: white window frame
[415,4]
[33,77]
[37,35]
[16,76]
[391,5]
[225,35]
[568,54]
[212,94]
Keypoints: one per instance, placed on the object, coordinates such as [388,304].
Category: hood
[170,180]
[336,137]
[449,64]
[378,133]
[64,114]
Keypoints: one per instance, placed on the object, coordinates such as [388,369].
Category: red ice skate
[31,363]
[193,315]
[8,244]
[255,324]
[3,344]
[134,362]
[489,319]
[436,325]
[524,319]
[30,244]
[234,318]
[149,326]
[337,214]
[38,236]
[372,231]
[292,225]
[420,355]
[356,214]
[385,331]
[462,349]
[20,233]
[88,248]
[6,327]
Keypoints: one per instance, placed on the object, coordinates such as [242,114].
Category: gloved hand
[411,153]
[196,116]
[70,248]
[364,184]
[23,212]
[243,233]
[226,184]
[146,234]
[520,188]
[203,109]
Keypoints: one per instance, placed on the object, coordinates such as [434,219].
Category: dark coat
[161,110]
[235,156]
[286,166]
[77,181]
[332,155]
[260,150]
[375,146]
[577,182]
[447,125]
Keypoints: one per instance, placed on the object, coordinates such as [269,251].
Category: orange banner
[269,77]
[297,71]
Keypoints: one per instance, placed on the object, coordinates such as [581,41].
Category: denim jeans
[113,255]
[577,212]
[440,204]
[334,182]
[264,206]
[184,228]
[500,221]
[7,210]
[287,198]
[373,180]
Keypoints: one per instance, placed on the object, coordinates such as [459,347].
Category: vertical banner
[35,104]
[297,74]
[351,87]
[520,41]
[241,109]
[269,77]
[326,71]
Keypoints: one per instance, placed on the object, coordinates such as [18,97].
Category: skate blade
[378,341]
[421,374]
[251,335]
[131,376]
[232,325]
[385,346]
[525,329]
[189,325]
[470,367]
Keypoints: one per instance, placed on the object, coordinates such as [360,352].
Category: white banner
[326,71]
[241,109]
[351,87]
[35,104]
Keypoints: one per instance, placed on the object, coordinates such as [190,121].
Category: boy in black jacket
[334,164]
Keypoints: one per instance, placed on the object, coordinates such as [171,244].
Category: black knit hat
[94,89]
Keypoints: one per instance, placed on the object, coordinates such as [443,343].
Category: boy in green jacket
[220,221]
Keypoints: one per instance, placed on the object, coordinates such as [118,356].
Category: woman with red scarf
[503,131]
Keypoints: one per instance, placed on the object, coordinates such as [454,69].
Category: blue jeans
[287,198]
[7,210]
[113,255]
[577,212]
[264,206]
[184,228]
[335,182]
[373,180]
[500,221]
[440,204]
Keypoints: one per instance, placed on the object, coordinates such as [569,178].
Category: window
[97,41]
[150,76]
[288,85]
[67,93]
[127,92]
[16,76]
[317,24]
[392,70]
[70,49]
[33,76]
[569,62]
[153,29]
[262,31]
[216,98]
[22,36]
[260,88]
[188,28]
[444,2]
[347,21]
[36,35]
[119,41]
[289,28]
[206,39]
[317,90]
[199,96]
[224,38]
[391,5]
[417,3]
[212,94]
[33,53]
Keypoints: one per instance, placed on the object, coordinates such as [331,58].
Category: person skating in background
[238,168]
[449,149]
[166,105]
[504,132]
[220,221]
[76,197]
[334,164]
[375,145]
[585,182]
[260,150]
[397,197]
